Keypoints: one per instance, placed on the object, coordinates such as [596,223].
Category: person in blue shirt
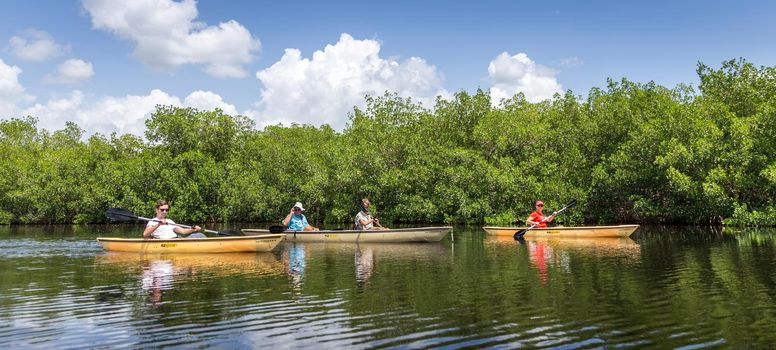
[296,221]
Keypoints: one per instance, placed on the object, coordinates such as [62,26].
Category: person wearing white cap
[537,218]
[296,221]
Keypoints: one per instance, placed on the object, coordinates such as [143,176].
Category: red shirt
[536,217]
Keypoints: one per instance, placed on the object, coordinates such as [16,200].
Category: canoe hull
[401,235]
[583,231]
[260,243]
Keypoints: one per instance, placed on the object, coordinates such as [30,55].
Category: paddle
[120,214]
[519,234]
[277,229]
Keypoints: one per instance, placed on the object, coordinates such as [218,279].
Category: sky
[105,65]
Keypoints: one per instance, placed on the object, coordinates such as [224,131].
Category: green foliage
[629,152]
[742,216]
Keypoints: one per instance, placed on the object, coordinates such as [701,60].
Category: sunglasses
[297,209]
[540,205]
[164,209]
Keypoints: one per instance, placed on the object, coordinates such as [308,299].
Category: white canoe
[582,231]
[257,243]
[399,235]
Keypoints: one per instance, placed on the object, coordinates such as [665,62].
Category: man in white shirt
[163,228]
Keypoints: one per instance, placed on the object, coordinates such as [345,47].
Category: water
[682,288]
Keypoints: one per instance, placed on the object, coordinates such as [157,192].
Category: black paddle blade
[277,229]
[120,214]
[519,234]
[571,204]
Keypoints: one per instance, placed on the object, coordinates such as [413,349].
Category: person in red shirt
[537,217]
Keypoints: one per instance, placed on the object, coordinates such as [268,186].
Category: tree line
[631,152]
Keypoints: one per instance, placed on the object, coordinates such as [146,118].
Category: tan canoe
[259,243]
[582,231]
[399,235]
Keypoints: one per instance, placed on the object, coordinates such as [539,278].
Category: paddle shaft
[179,225]
[120,214]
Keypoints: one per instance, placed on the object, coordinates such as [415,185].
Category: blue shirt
[297,222]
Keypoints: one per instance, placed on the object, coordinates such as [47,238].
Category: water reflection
[613,247]
[159,272]
[366,257]
[294,262]
[545,252]
[750,236]
[157,276]
[365,264]
[672,287]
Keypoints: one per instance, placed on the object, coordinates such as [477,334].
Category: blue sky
[107,63]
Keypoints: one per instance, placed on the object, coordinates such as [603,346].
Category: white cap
[298,205]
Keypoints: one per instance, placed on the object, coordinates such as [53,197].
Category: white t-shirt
[363,216]
[163,231]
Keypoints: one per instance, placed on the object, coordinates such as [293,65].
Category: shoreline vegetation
[629,153]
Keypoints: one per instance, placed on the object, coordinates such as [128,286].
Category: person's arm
[288,217]
[366,221]
[150,228]
[307,226]
[551,217]
[186,231]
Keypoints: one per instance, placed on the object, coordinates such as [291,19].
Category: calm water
[666,288]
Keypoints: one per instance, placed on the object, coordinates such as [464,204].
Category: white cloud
[11,91]
[326,87]
[512,74]
[121,114]
[72,71]
[55,112]
[125,114]
[35,45]
[166,35]
[570,62]
[208,101]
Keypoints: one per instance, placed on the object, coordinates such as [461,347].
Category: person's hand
[292,210]
[197,228]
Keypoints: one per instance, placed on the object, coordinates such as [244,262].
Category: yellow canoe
[582,231]
[259,243]
[398,235]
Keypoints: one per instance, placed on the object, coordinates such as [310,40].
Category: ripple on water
[65,293]
[26,248]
